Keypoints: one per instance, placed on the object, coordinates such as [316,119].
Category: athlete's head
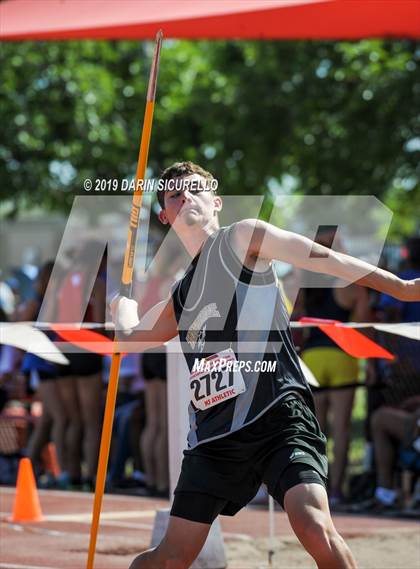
[187,196]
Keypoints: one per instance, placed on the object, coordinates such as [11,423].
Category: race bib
[216,380]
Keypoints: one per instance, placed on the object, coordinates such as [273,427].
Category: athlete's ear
[162,217]
[218,203]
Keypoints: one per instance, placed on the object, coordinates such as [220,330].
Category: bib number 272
[211,387]
[202,386]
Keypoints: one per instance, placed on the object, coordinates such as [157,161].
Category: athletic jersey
[220,304]
[321,303]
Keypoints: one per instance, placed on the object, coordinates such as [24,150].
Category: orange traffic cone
[26,507]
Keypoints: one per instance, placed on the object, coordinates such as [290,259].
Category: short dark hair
[179,170]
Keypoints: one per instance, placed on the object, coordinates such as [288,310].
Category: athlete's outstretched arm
[257,238]
[155,328]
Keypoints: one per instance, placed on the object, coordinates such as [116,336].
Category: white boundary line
[87,517]
[90,496]
[15,566]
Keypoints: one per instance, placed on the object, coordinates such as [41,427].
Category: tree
[303,117]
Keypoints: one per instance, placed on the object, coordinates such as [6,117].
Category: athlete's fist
[411,291]
[124,313]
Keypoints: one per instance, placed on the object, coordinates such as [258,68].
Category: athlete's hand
[410,291]
[124,313]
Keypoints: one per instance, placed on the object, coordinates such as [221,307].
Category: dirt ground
[61,540]
[385,550]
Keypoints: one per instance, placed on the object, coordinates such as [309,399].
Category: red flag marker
[85,339]
[349,340]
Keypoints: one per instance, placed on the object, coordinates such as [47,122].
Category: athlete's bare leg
[148,437]
[341,404]
[74,429]
[309,515]
[50,395]
[389,426]
[162,451]
[180,546]
[89,390]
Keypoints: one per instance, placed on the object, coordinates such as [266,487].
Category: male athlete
[256,423]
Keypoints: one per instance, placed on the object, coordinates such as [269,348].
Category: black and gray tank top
[221,304]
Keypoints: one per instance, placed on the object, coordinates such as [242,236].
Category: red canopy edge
[212,19]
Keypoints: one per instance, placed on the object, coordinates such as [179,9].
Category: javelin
[125,290]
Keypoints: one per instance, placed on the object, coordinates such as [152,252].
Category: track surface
[61,541]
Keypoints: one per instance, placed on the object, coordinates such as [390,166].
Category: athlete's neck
[195,236]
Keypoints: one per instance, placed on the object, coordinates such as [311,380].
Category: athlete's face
[190,206]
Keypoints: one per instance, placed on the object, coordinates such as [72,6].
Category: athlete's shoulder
[245,237]
[242,232]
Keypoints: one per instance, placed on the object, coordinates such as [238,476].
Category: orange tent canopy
[215,19]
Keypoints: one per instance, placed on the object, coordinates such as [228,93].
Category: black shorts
[82,364]
[154,364]
[282,448]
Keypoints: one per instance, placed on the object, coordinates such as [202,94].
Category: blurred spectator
[336,371]
[10,381]
[13,435]
[129,417]
[80,383]
[391,382]
[13,415]
[154,440]
[7,301]
[395,310]
[394,387]
[5,363]
[25,275]
[42,376]
[395,431]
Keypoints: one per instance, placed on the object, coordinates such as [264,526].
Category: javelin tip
[151,90]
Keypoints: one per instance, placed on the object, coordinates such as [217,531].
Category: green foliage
[304,117]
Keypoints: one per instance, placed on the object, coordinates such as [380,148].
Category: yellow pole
[125,289]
